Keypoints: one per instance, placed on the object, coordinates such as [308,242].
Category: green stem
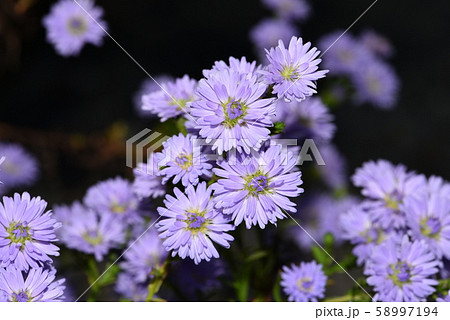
[159,275]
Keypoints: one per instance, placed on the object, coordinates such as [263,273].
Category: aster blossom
[293,70]
[241,66]
[146,182]
[172,100]
[256,189]
[26,232]
[289,9]
[268,32]
[38,286]
[192,224]
[69,27]
[305,282]
[402,272]
[231,111]
[181,159]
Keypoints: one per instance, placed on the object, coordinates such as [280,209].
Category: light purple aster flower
[376,43]
[146,181]
[438,187]
[192,224]
[38,286]
[387,186]
[319,217]
[84,230]
[309,119]
[444,299]
[69,28]
[181,159]
[305,282]
[144,254]
[428,218]
[402,272]
[129,288]
[231,112]
[114,197]
[268,32]
[26,232]
[148,86]
[256,189]
[376,83]
[172,100]
[293,70]
[289,9]
[241,66]
[18,168]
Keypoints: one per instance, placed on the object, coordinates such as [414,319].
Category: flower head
[377,43]
[293,70]
[26,232]
[38,286]
[172,100]
[192,224]
[305,282]
[129,288]
[182,160]
[146,181]
[402,272]
[268,32]
[69,27]
[241,66]
[256,189]
[289,9]
[231,110]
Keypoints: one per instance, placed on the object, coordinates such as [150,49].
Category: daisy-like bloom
[26,232]
[241,66]
[376,83]
[129,288]
[146,182]
[38,286]
[18,167]
[444,299]
[148,86]
[356,226]
[181,159]
[144,254]
[321,216]
[387,186]
[115,197]
[428,218]
[268,32]
[377,43]
[230,111]
[309,119]
[305,282]
[192,224]
[69,28]
[293,71]
[172,99]
[84,230]
[289,9]
[402,272]
[256,189]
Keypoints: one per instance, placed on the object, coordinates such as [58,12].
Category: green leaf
[278,127]
[276,291]
[256,256]
[180,124]
[109,277]
[320,256]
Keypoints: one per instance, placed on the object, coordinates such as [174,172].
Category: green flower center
[19,232]
[93,237]
[393,200]
[77,25]
[430,227]
[118,208]
[184,161]
[21,296]
[180,103]
[196,221]
[234,112]
[305,284]
[257,183]
[400,273]
[290,73]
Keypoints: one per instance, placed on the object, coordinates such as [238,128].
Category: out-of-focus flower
[69,27]
[293,71]
[129,288]
[191,224]
[445,299]
[148,86]
[305,282]
[26,232]
[146,182]
[289,9]
[377,43]
[268,32]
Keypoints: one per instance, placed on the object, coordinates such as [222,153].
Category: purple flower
[289,9]
[241,66]
[438,187]
[148,86]
[69,27]
[305,282]
[146,181]
[86,231]
[376,43]
[402,272]
[376,83]
[256,189]
[231,112]
[387,186]
[268,32]
[129,288]
[428,218]
[319,217]
[445,299]
[114,197]
[192,224]
[144,254]
[26,232]
[38,286]
[293,70]
[172,100]
[308,119]
[18,168]
[182,160]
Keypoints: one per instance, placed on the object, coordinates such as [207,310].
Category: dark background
[55,105]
